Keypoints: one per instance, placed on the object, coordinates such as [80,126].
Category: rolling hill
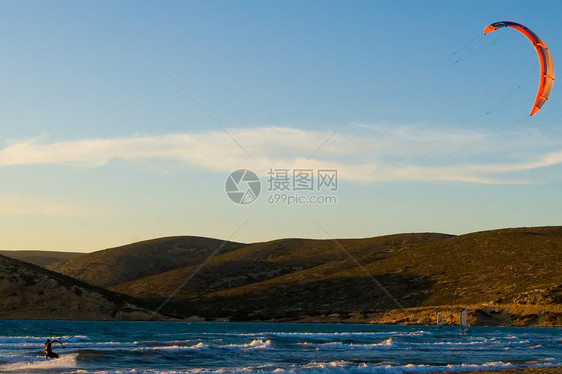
[40,258]
[508,276]
[268,264]
[114,266]
[31,292]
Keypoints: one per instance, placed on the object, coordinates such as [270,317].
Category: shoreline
[302,320]
[538,370]
[488,315]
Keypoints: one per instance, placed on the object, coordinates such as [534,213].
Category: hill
[508,277]
[268,264]
[114,266]
[31,292]
[40,258]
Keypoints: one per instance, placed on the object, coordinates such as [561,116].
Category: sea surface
[228,347]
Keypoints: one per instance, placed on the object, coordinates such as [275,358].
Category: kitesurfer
[49,350]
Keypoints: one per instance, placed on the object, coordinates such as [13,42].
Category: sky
[122,121]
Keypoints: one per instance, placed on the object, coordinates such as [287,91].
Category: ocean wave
[8,358]
[37,342]
[473,344]
[173,348]
[33,339]
[387,343]
[330,367]
[63,362]
[255,344]
[345,367]
[339,367]
[6,340]
[221,349]
[349,334]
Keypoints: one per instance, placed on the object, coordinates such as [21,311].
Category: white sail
[464,320]
[439,319]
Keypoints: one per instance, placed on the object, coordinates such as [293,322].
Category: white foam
[344,367]
[26,342]
[341,345]
[387,342]
[254,344]
[335,367]
[63,362]
[30,339]
[74,338]
[326,334]
[174,348]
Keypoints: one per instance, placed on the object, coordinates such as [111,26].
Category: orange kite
[547,70]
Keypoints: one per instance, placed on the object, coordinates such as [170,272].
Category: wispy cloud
[32,206]
[383,153]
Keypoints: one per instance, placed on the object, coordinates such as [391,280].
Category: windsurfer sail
[439,320]
[465,326]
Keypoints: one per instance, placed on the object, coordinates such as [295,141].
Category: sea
[232,347]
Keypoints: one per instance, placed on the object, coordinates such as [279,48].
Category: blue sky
[121,121]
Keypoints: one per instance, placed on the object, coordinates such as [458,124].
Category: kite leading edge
[547,70]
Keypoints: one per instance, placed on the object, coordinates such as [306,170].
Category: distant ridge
[40,258]
[507,276]
[268,263]
[31,292]
[122,264]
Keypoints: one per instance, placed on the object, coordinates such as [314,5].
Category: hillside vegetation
[274,261]
[509,276]
[31,292]
[114,266]
[40,258]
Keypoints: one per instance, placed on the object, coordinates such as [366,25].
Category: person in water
[49,350]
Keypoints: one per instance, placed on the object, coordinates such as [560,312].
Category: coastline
[423,316]
[500,315]
[542,370]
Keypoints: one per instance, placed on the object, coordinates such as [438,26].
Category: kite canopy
[547,70]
